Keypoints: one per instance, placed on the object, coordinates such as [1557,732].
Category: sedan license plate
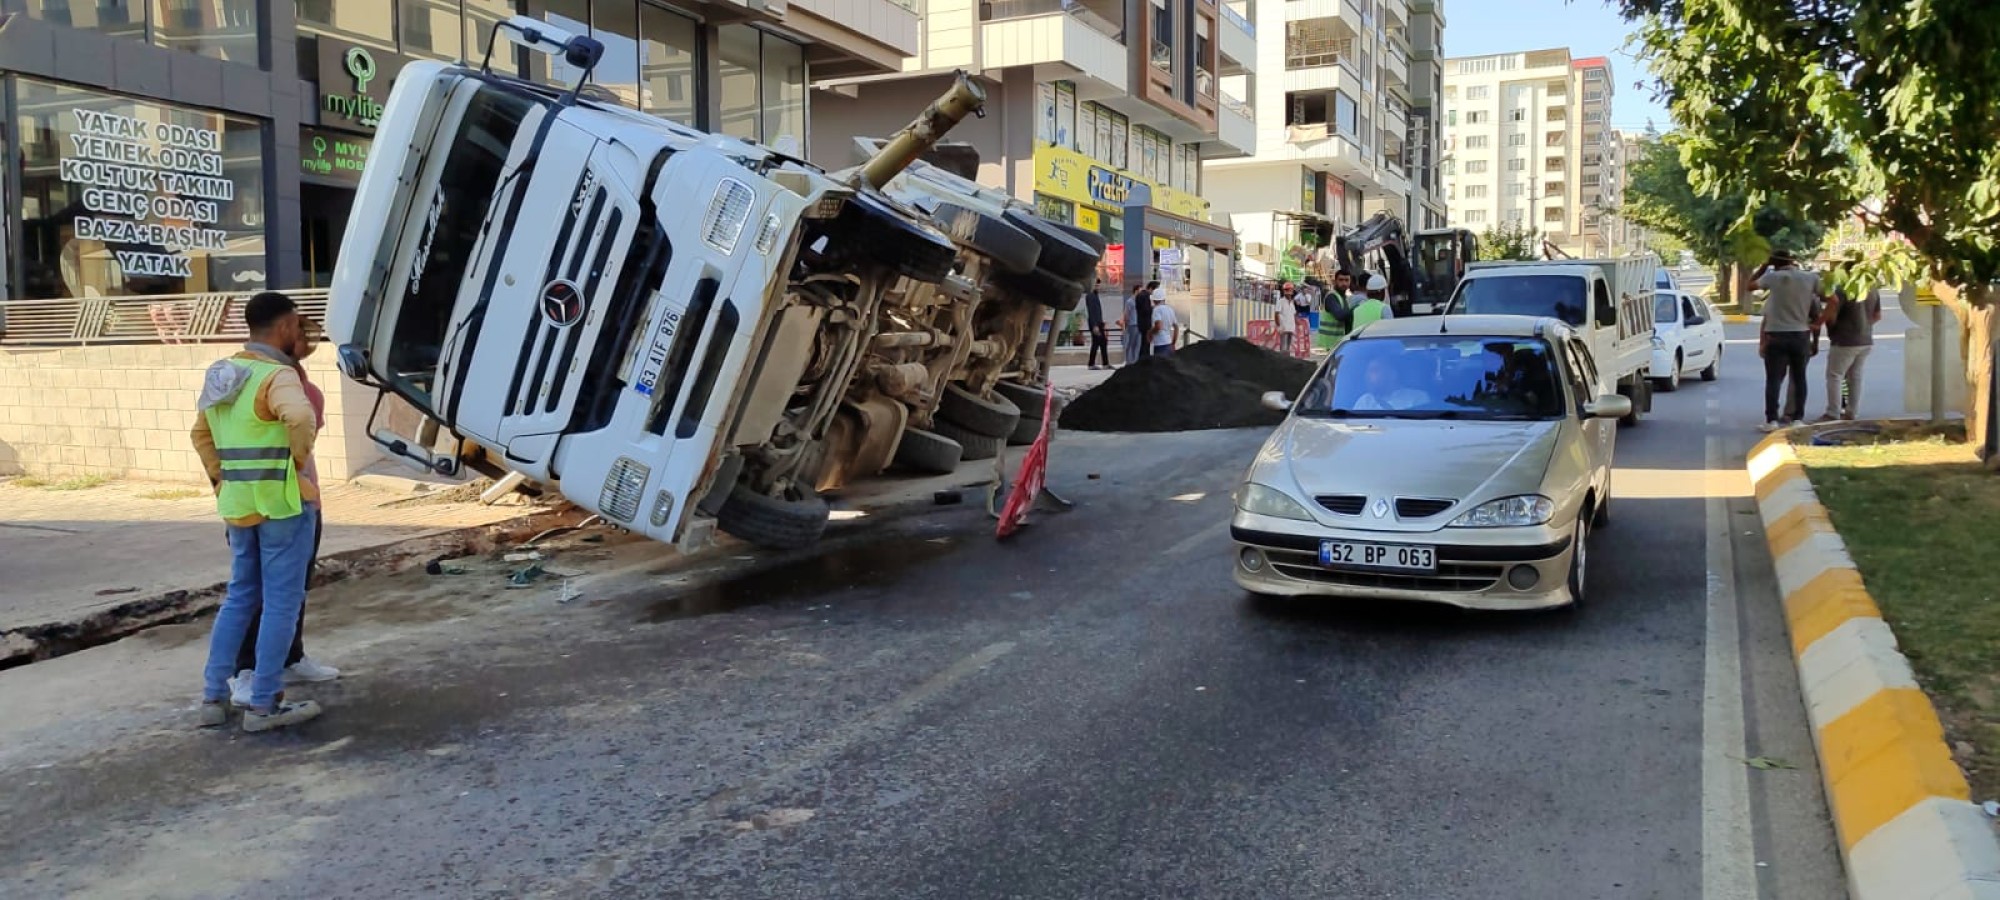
[1393,557]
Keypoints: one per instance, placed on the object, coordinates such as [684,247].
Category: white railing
[153,319]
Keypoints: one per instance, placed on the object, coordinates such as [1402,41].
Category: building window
[1475,142]
[1479,92]
[1120,141]
[1553,164]
[1515,216]
[1552,188]
[1086,129]
[118,18]
[1065,115]
[1476,116]
[668,44]
[1346,116]
[1553,214]
[1517,139]
[222,29]
[1556,114]
[1517,114]
[1475,166]
[1475,216]
[1045,114]
[1517,164]
[753,106]
[1475,192]
[188,217]
[1517,189]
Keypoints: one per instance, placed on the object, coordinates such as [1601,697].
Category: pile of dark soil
[1211,384]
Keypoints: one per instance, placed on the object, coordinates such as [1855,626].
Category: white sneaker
[309,669]
[283,713]
[239,689]
[1769,427]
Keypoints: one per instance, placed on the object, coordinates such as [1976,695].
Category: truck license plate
[656,354]
[1393,557]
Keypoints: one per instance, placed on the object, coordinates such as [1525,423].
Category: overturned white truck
[680,331]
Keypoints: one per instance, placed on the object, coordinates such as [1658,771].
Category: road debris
[1211,384]
[1768,763]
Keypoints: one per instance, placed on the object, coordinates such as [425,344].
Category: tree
[1509,240]
[1825,104]
[1660,194]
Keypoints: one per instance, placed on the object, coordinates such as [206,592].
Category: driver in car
[1387,388]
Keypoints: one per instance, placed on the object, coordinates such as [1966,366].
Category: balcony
[878,33]
[1342,11]
[1238,39]
[1059,39]
[1236,130]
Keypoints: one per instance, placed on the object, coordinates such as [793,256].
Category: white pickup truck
[660,322]
[1608,300]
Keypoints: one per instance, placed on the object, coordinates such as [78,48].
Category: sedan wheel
[1672,382]
[1714,366]
[1579,561]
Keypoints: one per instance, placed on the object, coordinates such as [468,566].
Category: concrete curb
[1738,318]
[1901,807]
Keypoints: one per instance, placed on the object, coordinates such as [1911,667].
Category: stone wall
[125,412]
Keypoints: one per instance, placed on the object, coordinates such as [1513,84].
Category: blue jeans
[267,581]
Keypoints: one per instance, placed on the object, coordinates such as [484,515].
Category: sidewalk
[69,555]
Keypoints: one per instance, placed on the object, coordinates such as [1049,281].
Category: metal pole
[1938,346]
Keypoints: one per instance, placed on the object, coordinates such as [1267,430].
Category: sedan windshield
[1437,377]
[1666,310]
[1555,296]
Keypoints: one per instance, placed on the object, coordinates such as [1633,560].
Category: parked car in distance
[1687,337]
[1461,461]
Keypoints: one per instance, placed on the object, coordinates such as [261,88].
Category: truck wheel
[928,451]
[977,446]
[1047,288]
[1634,392]
[869,228]
[994,417]
[775,523]
[1026,396]
[1025,432]
[1010,248]
[1062,253]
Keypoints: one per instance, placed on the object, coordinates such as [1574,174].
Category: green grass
[171,494]
[78,483]
[1920,517]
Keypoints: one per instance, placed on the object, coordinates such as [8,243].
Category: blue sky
[1586,27]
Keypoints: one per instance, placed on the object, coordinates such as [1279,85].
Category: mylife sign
[354,83]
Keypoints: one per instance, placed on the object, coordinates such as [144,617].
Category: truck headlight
[728,212]
[620,497]
[1269,501]
[1508,512]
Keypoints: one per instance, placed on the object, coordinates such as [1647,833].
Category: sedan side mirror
[1276,400]
[1609,406]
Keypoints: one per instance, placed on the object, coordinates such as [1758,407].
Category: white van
[656,320]
[1609,301]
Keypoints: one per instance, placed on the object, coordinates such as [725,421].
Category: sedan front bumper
[1506,569]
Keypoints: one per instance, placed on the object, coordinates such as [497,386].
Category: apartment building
[1103,113]
[1529,143]
[1345,123]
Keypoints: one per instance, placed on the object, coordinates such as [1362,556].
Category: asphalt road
[1089,711]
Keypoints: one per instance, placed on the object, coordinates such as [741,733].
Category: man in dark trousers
[1792,310]
[1100,340]
[1142,322]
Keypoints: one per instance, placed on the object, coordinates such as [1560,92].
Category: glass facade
[122,197]
[222,29]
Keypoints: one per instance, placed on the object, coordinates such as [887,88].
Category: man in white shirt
[1166,327]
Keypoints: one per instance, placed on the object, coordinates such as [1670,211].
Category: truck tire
[1025,432]
[1047,288]
[977,446]
[1062,253]
[1011,249]
[991,416]
[1096,242]
[929,452]
[775,523]
[1026,396]
[1635,392]
[877,231]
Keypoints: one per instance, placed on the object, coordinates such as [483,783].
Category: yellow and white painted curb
[1901,807]
[1737,318]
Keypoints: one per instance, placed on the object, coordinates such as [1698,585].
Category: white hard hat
[1377,283]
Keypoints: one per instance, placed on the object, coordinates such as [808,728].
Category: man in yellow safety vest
[254,431]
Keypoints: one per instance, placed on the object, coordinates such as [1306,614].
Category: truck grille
[541,373]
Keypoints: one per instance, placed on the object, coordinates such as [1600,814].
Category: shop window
[784,93]
[616,25]
[1065,115]
[1045,114]
[740,65]
[189,218]
[1055,209]
[222,29]
[668,43]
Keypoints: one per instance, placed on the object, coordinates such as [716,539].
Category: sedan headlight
[1269,501]
[1508,512]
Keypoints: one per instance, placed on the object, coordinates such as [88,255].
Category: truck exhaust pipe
[963,98]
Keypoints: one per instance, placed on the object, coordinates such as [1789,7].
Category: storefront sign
[1072,176]
[1309,191]
[150,189]
[1088,219]
[332,155]
[354,83]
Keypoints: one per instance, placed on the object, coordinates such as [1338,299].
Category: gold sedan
[1459,460]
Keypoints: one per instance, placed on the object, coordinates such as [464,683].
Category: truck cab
[611,303]
[1608,302]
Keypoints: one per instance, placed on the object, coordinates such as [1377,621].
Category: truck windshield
[1556,296]
[465,192]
